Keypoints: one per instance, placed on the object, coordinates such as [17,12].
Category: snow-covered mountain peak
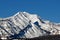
[32,17]
[26,25]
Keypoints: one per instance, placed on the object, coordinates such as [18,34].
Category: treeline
[49,37]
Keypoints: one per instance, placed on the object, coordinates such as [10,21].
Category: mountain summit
[25,25]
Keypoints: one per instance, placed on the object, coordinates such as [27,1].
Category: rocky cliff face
[25,25]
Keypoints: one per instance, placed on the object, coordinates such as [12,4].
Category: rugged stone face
[25,25]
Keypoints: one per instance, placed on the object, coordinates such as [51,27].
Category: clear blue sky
[47,9]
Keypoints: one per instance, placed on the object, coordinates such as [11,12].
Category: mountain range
[26,25]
